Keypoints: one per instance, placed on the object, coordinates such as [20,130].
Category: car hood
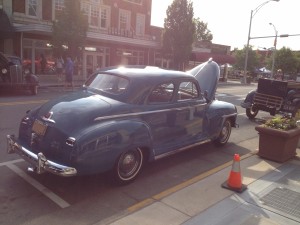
[207,75]
[75,110]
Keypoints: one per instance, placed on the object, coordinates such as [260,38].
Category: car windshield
[108,83]
[15,61]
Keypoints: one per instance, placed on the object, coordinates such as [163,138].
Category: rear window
[108,83]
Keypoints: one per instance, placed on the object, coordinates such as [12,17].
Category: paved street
[182,189]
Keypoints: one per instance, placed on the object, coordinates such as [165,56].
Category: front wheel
[251,112]
[224,134]
[128,166]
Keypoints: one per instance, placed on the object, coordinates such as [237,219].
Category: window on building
[97,15]
[59,5]
[124,19]
[32,8]
[104,20]
[140,24]
[94,16]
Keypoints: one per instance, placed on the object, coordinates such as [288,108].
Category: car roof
[149,73]
[144,78]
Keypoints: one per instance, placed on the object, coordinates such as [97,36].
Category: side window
[187,90]
[163,93]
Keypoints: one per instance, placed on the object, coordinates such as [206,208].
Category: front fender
[100,146]
[217,113]
[247,103]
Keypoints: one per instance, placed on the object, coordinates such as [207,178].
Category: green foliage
[253,59]
[69,29]
[179,32]
[286,60]
[202,32]
[281,123]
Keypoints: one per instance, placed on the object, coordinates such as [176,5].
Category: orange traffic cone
[234,181]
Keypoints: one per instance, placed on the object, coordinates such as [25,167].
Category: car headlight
[4,71]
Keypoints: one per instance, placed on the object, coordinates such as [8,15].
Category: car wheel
[251,112]
[128,166]
[34,90]
[224,134]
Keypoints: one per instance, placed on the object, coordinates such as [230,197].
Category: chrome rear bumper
[38,161]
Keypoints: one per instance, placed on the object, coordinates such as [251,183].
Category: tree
[285,60]
[179,32]
[253,59]
[202,32]
[69,29]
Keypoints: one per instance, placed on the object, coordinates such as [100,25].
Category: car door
[176,118]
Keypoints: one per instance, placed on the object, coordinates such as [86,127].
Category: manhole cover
[283,199]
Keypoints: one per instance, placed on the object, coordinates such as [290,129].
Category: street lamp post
[253,12]
[274,50]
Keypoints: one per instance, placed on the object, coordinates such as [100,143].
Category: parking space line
[23,102]
[11,162]
[48,193]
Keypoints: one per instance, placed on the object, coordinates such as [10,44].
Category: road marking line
[22,103]
[11,162]
[48,193]
[182,185]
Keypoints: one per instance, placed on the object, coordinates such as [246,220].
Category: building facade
[119,33]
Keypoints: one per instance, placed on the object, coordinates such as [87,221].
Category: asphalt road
[27,198]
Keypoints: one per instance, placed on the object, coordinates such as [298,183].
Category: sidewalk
[272,197]
[52,81]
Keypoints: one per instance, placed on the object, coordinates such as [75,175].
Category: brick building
[120,32]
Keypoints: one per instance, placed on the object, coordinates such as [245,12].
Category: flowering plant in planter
[281,123]
[278,138]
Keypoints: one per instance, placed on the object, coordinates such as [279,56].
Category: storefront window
[35,53]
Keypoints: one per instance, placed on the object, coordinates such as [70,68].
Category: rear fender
[111,139]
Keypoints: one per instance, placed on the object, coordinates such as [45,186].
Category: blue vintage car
[122,118]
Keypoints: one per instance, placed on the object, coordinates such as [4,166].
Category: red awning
[218,58]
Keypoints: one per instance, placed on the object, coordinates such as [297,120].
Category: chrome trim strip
[180,150]
[39,161]
[145,113]
[229,115]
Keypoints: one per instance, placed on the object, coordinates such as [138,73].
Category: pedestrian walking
[43,63]
[69,70]
[59,68]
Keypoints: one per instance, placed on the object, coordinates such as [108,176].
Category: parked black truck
[273,96]
[14,76]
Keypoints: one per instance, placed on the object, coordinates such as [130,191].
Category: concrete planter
[277,145]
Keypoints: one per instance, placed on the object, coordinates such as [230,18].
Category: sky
[228,21]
